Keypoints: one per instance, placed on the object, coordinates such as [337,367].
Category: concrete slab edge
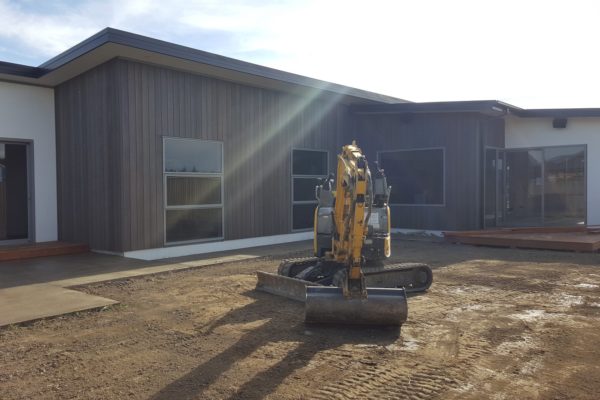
[212,247]
[48,317]
[149,271]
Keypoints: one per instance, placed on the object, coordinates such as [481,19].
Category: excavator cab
[376,248]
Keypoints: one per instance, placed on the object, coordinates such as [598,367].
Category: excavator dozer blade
[279,285]
[383,306]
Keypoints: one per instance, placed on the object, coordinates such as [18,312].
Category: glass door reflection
[535,187]
[524,188]
[564,186]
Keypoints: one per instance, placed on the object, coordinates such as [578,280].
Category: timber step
[44,249]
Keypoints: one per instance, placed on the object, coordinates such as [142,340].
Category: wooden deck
[44,249]
[578,239]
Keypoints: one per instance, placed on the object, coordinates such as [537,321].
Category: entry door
[14,192]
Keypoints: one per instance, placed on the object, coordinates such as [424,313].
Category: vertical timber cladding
[463,136]
[89,160]
[258,128]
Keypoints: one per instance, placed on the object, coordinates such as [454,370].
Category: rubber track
[286,264]
[396,275]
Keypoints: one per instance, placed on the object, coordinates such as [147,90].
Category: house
[149,149]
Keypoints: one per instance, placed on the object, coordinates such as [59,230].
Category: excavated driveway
[496,323]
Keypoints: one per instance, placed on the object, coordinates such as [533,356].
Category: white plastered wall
[532,132]
[27,113]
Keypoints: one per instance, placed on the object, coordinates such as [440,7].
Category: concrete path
[32,302]
[39,288]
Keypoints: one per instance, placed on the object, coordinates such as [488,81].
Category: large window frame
[443,149]
[167,207]
[300,176]
[500,183]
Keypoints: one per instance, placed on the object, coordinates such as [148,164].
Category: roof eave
[559,113]
[24,71]
[485,107]
[49,73]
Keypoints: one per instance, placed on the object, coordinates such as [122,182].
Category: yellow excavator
[346,281]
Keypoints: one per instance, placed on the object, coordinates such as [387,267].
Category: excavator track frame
[413,277]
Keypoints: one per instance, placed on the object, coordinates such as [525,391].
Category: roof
[111,43]
[492,108]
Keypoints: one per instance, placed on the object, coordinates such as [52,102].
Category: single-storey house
[149,149]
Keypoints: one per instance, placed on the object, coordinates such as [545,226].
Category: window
[308,168]
[193,180]
[193,155]
[416,176]
[565,185]
[540,186]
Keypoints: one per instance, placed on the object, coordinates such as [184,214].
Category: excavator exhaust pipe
[382,307]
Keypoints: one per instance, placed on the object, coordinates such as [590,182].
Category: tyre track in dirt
[437,322]
[434,378]
[392,379]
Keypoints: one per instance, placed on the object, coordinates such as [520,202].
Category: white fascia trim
[211,247]
[417,232]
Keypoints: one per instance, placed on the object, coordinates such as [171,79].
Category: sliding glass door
[524,188]
[564,186]
[535,187]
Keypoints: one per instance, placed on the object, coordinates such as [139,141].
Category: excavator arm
[352,201]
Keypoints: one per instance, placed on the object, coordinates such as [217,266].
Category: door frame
[28,143]
[497,184]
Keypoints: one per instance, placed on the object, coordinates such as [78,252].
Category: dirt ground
[497,324]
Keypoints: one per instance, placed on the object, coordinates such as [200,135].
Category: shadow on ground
[57,268]
[313,339]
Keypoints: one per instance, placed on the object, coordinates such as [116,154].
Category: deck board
[579,239]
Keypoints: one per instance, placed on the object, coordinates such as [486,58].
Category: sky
[530,53]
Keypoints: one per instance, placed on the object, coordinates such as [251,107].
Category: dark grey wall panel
[89,159]
[110,127]
[492,130]
[461,135]
[258,128]
[111,177]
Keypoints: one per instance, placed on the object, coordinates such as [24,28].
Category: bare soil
[497,323]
